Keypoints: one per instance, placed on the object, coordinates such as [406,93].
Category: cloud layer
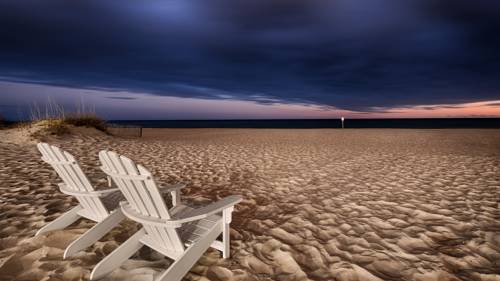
[350,54]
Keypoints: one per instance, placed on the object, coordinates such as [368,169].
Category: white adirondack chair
[180,233]
[99,206]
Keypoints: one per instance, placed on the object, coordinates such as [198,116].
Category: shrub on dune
[57,121]
[57,127]
[89,120]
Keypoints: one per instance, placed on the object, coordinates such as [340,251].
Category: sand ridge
[319,204]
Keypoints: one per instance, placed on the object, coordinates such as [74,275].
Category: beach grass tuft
[61,126]
[57,127]
[57,120]
[90,120]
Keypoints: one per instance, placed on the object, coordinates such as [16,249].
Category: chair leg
[181,266]
[176,197]
[95,233]
[226,241]
[226,238]
[118,256]
[61,222]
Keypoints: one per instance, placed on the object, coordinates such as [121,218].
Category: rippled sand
[319,204]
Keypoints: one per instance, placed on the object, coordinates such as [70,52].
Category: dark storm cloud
[351,54]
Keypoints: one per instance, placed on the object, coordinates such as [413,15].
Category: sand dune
[319,204]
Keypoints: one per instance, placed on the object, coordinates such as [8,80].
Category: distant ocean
[318,123]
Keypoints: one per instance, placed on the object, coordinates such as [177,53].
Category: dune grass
[61,126]
[57,120]
[90,120]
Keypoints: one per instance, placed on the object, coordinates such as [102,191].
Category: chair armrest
[105,192]
[171,187]
[96,193]
[222,205]
[213,208]
[175,192]
[132,214]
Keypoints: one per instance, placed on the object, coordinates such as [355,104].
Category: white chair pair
[181,232]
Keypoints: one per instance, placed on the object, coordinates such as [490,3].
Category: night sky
[224,59]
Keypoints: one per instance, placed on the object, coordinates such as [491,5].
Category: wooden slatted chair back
[74,179]
[141,192]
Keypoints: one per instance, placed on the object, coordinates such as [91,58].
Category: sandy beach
[367,204]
